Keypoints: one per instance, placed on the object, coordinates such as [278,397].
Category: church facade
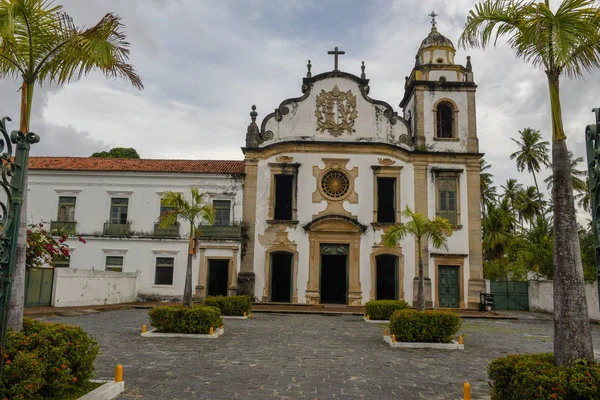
[328,172]
[301,219]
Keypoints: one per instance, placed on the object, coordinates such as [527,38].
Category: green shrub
[47,360]
[178,319]
[431,326]
[534,376]
[383,309]
[231,305]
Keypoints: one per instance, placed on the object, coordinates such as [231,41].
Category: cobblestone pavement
[288,356]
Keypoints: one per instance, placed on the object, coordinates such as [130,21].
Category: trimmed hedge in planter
[230,305]
[430,326]
[47,360]
[383,309]
[534,376]
[178,319]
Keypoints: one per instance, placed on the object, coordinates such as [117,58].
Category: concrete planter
[454,345]
[110,390]
[234,317]
[376,321]
[152,333]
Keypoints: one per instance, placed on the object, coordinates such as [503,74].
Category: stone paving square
[299,356]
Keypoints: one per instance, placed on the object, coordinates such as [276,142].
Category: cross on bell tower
[335,53]
[433,15]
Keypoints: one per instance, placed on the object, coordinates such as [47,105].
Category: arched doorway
[386,286]
[281,277]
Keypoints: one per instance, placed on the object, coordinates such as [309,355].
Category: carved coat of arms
[336,111]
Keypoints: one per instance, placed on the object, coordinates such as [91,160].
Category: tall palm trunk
[535,181]
[17,297]
[421,283]
[187,290]
[572,337]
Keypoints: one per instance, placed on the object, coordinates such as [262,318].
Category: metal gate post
[12,178]
[592,144]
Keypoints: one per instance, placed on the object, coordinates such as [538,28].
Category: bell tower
[439,97]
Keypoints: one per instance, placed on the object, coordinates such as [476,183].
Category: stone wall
[82,287]
[541,297]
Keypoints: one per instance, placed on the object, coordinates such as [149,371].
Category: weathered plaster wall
[94,191]
[541,297]
[81,287]
[460,100]
[300,124]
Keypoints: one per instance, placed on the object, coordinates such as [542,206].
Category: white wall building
[114,204]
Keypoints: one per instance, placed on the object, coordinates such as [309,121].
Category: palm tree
[487,188]
[193,213]
[577,175]
[529,204]
[565,42]
[497,232]
[40,44]
[532,153]
[512,188]
[583,197]
[423,229]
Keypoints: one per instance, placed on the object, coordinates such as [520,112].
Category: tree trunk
[421,302]
[17,297]
[535,181]
[187,290]
[572,336]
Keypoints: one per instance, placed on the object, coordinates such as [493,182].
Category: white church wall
[460,99]
[81,287]
[370,124]
[458,242]
[307,184]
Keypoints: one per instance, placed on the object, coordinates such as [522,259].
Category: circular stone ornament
[335,184]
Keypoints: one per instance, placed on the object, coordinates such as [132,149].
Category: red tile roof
[134,165]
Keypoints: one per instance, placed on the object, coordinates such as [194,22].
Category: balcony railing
[64,226]
[220,231]
[171,231]
[117,229]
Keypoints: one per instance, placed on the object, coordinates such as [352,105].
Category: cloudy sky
[204,63]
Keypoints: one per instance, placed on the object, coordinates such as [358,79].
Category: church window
[448,199]
[222,212]
[335,184]
[444,121]
[164,271]
[386,200]
[66,209]
[114,263]
[118,211]
[284,197]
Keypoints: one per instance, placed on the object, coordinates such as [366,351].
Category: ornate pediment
[335,223]
[336,111]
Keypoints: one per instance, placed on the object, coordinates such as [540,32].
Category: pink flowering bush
[43,248]
[47,360]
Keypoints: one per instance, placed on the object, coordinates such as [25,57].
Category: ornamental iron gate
[510,295]
[592,144]
[12,178]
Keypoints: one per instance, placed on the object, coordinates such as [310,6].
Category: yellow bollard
[119,373]
[460,340]
[244,313]
[368,317]
[211,331]
[467,391]
[221,326]
[393,338]
[386,332]
[143,328]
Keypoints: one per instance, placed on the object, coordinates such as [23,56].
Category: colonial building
[301,219]
[327,172]
[115,204]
